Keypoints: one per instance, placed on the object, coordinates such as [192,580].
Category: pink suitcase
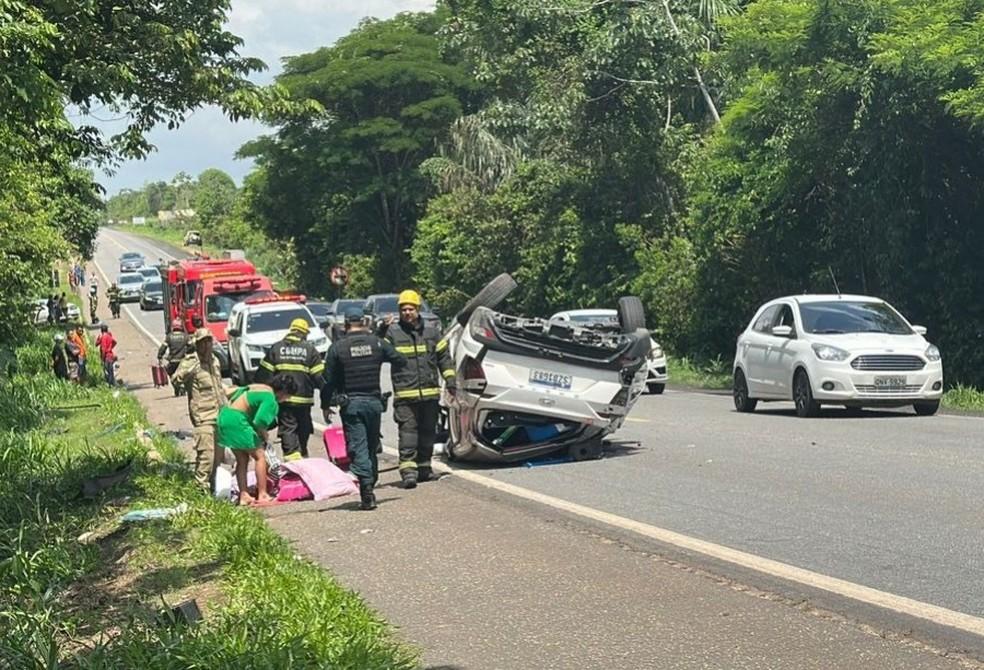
[335,447]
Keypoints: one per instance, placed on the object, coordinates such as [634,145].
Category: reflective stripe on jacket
[428,361]
[301,361]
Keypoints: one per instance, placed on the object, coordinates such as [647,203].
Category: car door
[755,342]
[780,354]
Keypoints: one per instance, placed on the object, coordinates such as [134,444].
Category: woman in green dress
[243,426]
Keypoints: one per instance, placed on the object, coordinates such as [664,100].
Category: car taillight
[481,327]
[473,375]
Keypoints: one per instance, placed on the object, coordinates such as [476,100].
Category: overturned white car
[529,386]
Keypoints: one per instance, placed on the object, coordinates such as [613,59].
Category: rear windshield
[276,320]
[131,279]
[153,287]
[839,317]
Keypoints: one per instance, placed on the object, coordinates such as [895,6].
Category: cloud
[271,31]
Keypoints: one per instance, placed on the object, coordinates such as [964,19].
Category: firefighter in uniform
[416,387]
[175,346]
[295,357]
[352,381]
[113,295]
[200,378]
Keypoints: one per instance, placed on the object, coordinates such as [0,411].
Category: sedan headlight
[320,342]
[933,353]
[825,352]
[656,352]
[254,349]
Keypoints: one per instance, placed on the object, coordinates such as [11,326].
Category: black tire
[854,411]
[631,314]
[807,407]
[656,389]
[490,296]
[739,392]
[928,408]
[588,450]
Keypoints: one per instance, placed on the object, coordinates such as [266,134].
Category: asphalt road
[887,500]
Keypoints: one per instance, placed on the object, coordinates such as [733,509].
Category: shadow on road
[841,413]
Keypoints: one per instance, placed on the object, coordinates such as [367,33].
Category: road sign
[339,276]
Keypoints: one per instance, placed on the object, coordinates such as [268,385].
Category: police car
[257,324]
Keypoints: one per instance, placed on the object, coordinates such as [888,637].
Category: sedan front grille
[888,363]
[871,389]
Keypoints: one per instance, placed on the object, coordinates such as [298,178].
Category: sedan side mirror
[233,332]
[782,331]
[920,330]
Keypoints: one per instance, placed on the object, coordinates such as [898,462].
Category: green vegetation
[964,398]
[94,604]
[715,375]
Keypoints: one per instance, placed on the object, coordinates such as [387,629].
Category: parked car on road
[152,294]
[131,261]
[530,386]
[382,305]
[149,273]
[130,284]
[40,310]
[607,319]
[850,350]
[331,316]
[256,324]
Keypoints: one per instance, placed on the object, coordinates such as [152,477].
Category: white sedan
[656,376]
[850,350]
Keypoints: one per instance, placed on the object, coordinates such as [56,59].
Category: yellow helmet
[300,326]
[409,297]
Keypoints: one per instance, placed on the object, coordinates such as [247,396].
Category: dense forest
[704,154]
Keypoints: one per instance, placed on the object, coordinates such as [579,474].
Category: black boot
[368,497]
[409,479]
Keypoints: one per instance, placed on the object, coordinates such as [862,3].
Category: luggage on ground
[335,446]
[159,375]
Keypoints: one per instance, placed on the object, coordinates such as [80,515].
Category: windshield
[839,317]
[131,279]
[276,320]
[153,287]
[319,308]
[130,256]
[219,306]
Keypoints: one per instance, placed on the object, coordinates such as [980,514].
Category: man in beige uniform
[199,376]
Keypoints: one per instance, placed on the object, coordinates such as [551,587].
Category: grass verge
[964,398]
[689,373]
[72,601]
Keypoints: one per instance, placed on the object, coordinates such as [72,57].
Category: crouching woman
[243,426]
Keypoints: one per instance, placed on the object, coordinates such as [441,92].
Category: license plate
[889,382]
[551,379]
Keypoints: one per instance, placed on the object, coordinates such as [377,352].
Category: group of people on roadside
[71,353]
[348,377]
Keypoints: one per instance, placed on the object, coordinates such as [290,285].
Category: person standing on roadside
[63,307]
[416,387]
[174,347]
[298,359]
[352,380]
[51,304]
[106,344]
[59,358]
[200,378]
[77,338]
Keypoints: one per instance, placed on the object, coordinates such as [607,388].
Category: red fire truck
[202,292]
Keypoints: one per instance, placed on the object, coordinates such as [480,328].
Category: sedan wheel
[656,389]
[740,394]
[927,408]
[806,406]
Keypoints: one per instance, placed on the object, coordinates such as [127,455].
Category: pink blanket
[322,478]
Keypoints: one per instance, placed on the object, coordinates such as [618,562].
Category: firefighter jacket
[175,345]
[428,361]
[203,385]
[299,359]
[113,294]
[352,366]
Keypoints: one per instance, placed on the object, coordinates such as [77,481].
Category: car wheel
[631,314]
[656,389]
[739,391]
[854,410]
[927,408]
[806,406]
[234,375]
[490,296]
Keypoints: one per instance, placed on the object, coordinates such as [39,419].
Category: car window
[153,287]
[763,324]
[785,318]
[841,316]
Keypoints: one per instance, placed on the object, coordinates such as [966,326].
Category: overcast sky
[271,29]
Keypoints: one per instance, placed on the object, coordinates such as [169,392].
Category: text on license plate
[551,379]
[889,382]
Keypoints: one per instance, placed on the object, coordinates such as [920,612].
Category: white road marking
[858,592]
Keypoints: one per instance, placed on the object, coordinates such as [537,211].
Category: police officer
[416,387]
[295,357]
[352,377]
[175,345]
[200,378]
